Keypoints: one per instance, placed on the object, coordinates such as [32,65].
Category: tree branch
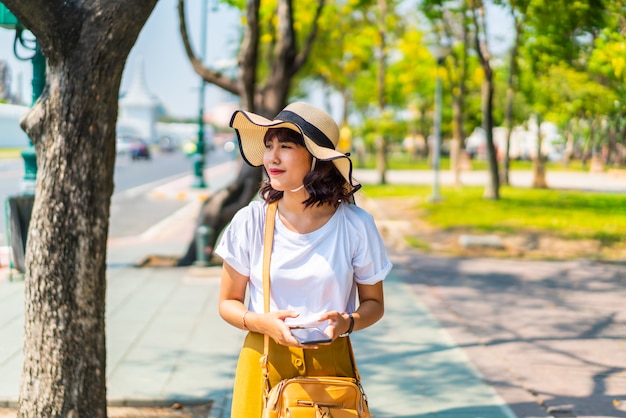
[481,50]
[248,55]
[208,75]
[308,45]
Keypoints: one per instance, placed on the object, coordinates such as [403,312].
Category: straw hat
[318,129]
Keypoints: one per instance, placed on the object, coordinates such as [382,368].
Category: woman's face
[286,163]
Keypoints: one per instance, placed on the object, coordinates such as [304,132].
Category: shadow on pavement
[551,329]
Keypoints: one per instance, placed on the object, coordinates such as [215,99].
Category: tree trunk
[611,143]
[217,211]
[425,127]
[455,161]
[72,126]
[510,99]
[620,132]
[539,166]
[458,157]
[456,148]
[381,159]
[568,149]
[506,163]
[64,346]
[510,92]
[492,190]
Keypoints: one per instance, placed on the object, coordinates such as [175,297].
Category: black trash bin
[19,210]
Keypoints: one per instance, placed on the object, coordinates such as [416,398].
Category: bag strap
[268,242]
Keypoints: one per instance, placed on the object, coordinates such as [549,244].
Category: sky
[167,71]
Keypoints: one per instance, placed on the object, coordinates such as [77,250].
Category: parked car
[139,149]
[167,144]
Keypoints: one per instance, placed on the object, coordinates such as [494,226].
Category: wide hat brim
[251,129]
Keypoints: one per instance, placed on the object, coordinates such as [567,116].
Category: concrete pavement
[548,336]
[166,342]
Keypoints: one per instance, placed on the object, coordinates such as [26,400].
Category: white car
[123,144]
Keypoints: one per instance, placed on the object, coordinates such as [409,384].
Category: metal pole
[436,196]
[202,239]
[28,154]
[23,204]
[199,157]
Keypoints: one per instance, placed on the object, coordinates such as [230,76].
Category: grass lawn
[566,214]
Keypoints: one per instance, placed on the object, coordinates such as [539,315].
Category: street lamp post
[18,208]
[9,21]
[28,154]
[440,52]
[200,156]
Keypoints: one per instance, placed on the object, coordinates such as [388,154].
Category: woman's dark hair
[325,184]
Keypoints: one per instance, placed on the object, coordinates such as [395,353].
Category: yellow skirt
[284,362]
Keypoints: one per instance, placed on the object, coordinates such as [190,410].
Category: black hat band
[308,129]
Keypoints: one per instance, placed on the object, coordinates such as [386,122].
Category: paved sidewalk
[166,342]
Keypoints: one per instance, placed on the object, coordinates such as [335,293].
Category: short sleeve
[234,245]
[370,261]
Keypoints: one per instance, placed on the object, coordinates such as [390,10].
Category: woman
[325,250]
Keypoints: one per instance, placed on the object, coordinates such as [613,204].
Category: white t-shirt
[309,273]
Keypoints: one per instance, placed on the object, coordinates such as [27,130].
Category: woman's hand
[233,310]
[273,325]
[338,323]
[371,309]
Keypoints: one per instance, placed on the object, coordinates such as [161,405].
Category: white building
[138,109]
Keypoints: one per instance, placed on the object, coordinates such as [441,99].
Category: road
[132,212]
[611,181]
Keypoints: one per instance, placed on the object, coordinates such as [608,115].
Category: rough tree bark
[72,126]
[266,97]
